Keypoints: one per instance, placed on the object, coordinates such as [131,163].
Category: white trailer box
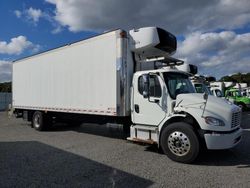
[86,77]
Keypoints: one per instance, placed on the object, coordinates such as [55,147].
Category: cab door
[149,110]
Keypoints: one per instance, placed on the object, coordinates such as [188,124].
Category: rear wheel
[40,121]
[180,143]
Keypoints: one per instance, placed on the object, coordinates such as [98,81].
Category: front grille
[236,119]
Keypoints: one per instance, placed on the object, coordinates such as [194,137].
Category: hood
[194,104]
[197,100]
[246,100]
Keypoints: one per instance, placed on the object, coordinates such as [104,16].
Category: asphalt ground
[97,156]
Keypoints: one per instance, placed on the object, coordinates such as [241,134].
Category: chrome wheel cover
[178,143]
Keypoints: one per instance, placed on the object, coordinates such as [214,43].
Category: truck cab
[216,92]
[166,110]
[218,88]
[201,84]
[238,98]
[246,92]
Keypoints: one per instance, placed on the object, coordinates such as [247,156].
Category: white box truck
[108,78]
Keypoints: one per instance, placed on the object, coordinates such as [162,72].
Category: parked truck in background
[239,99]
[232,92]
[104,78]
[244,89]
[200,82]
[246,92]
[219,88]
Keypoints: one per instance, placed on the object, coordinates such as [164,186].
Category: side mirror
[145,78]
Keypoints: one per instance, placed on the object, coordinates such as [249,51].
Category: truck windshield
[238,94]
[202,88]
[178,83]
[218,93]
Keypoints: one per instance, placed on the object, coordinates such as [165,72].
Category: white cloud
[17,45]
[196,20]
[18,13]
[5,71]
[56,30]
[217,53]
[31,15]
[34,14]
[178,16]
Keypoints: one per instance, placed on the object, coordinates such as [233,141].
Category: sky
[214,34]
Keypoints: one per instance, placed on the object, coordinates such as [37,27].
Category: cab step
[144,134]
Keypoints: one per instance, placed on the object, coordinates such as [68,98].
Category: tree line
[5,87]
[238,77]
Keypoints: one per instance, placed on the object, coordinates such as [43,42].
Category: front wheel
[180,143]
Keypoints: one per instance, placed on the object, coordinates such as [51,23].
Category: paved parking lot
[97,156]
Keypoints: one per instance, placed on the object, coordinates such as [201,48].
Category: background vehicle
[218,89]
[232,92]
[238,98]
[107,78]
[246,92]
[243,88]
[200,83]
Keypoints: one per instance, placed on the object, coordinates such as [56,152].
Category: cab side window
[154,86]
[140,85]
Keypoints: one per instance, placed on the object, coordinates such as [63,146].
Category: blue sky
[215,35]
[38,33]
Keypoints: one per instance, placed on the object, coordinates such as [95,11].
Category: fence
[5,100]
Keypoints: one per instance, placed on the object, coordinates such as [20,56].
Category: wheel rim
[37,121]
[178,143]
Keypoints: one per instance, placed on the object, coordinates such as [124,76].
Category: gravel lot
[96,156]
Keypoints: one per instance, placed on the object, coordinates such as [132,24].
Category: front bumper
[223,140]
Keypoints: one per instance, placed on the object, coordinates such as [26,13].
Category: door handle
[137,109]
[156,100]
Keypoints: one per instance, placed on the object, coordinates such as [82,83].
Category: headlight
[214,121]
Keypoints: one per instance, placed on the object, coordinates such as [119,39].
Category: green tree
[5,87]
[238,77]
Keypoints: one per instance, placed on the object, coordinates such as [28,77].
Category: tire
[180,143]
[39,121]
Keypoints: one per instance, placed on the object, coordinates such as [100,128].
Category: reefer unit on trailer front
[88,77]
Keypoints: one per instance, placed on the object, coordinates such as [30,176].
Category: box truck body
[89,77]
[127,78]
